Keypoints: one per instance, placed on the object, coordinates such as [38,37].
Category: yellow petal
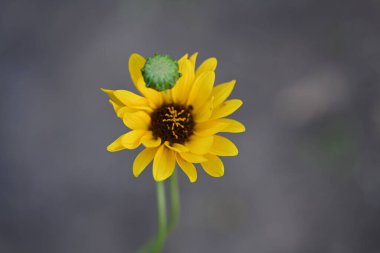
[163,164]
[208,65]
[193,58]
[222,92]
[202,88]
[142,160]
[203,113]
[115,106]
[213,166]
[176,147]
[131,99]
[116,145]
[233,126]
[137,120]
[181,90]
[120,110]
[193,158]
[183,58]
[226,108]
[199,144]
[166,97]
[188,168]
[223,147]
[136,63]
[154,98]
[126,101]
[107,91]
[149,141]
[210,127]
[111,95]
[130,140]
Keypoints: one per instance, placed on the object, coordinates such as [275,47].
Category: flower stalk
[175,202]
[157,245]
[162,223]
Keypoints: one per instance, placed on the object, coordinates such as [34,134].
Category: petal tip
[135,55]
[111,149]
[107,91]
[158,178]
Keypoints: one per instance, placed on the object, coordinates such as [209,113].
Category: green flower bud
[160,72]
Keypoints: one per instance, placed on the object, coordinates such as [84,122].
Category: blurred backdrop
[307,178]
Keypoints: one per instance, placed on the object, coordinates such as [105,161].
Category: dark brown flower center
[173,123]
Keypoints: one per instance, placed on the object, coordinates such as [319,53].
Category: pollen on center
[173,123]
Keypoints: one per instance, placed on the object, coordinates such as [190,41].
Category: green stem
[175,203]
[162,226]
[157,245]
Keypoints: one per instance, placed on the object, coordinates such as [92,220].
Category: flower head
[179,125]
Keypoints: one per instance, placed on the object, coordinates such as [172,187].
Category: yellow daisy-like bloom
[178,125]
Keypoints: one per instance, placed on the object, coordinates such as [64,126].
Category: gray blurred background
[307,178]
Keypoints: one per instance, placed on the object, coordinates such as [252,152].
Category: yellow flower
[177,126]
